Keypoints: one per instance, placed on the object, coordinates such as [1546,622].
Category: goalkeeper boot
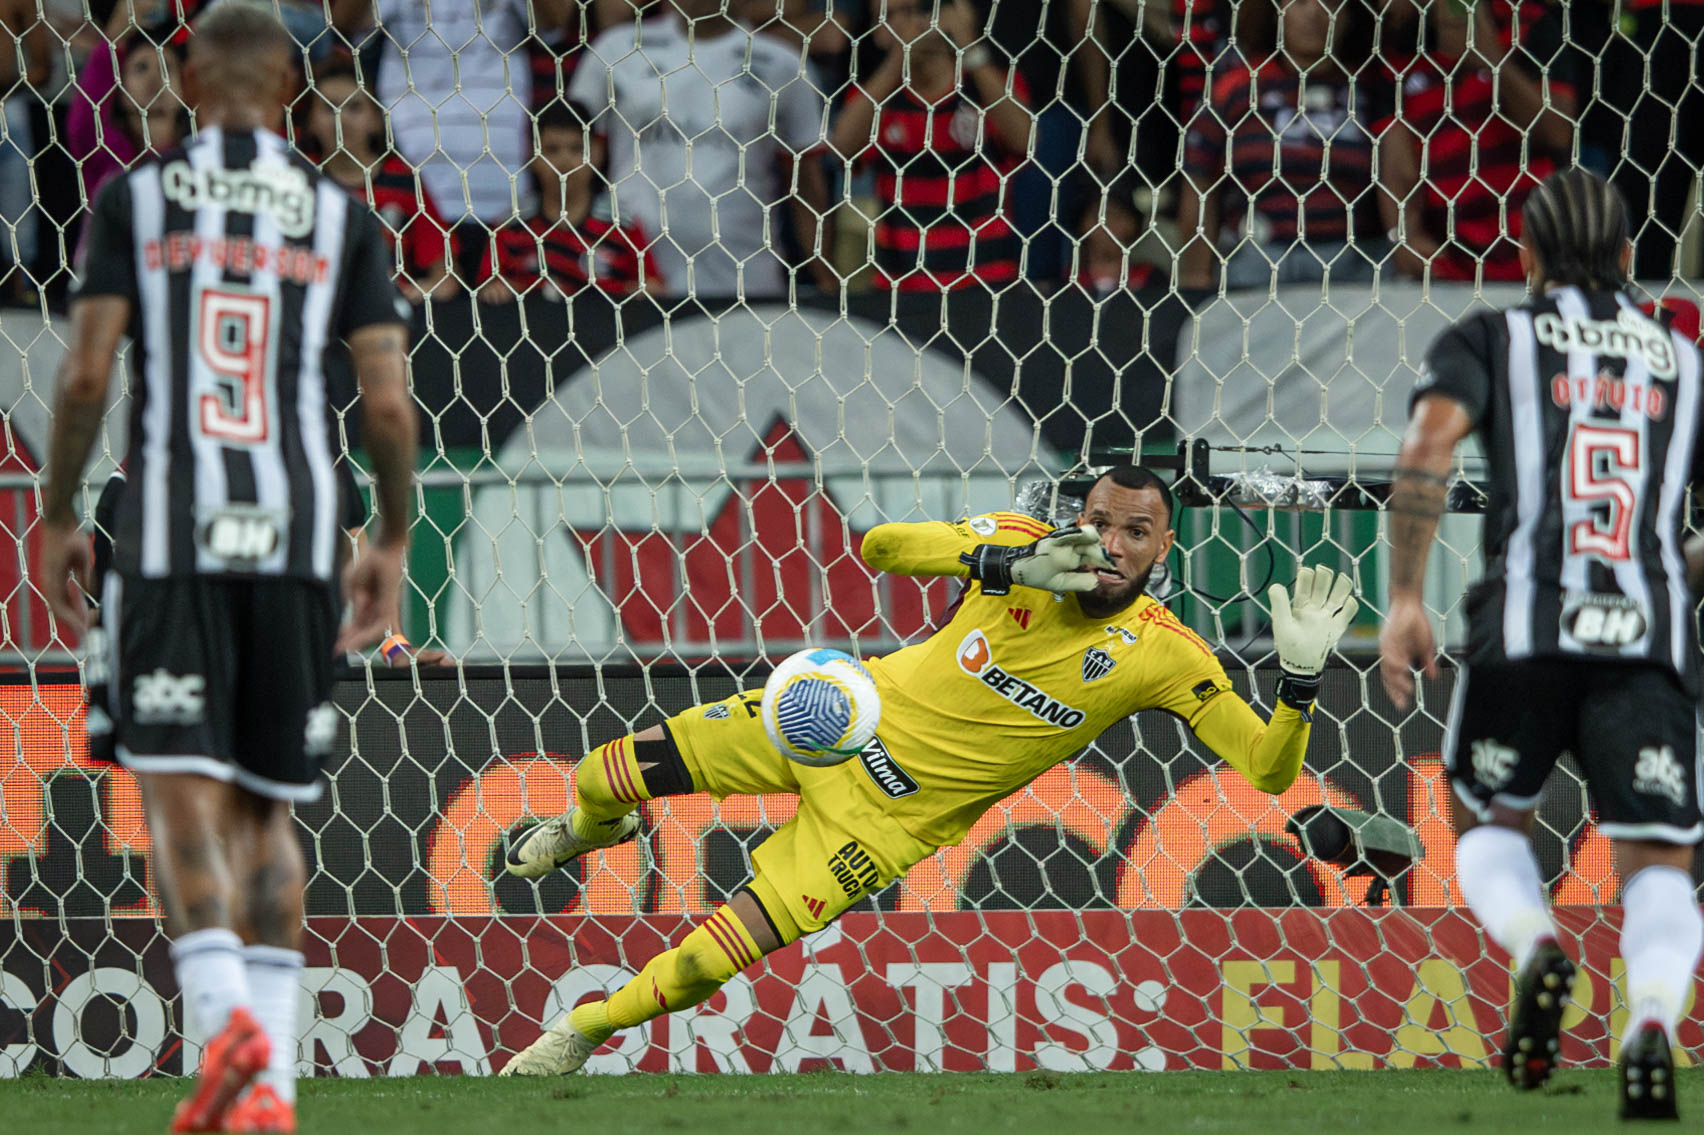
[1535,1024]
[1647,1076]
[228,1063]
[556,843]
[562,1049]
[261,1110]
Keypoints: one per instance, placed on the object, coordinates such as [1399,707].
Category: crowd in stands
[753,148]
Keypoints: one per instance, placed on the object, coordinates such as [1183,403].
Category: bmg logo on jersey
[1602,622]
[1630,334]
[164,698]
[275,189]
[853,868]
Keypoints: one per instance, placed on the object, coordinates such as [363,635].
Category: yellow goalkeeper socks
[674,979]
[607,786]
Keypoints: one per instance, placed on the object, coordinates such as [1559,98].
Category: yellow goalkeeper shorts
[839,848]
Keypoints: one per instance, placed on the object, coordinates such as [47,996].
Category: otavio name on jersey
[1607,393]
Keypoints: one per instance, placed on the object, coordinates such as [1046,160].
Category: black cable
[1244,593]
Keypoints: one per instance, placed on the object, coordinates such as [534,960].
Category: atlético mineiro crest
[1097,664]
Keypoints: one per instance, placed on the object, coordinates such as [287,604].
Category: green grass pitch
[1037,1103]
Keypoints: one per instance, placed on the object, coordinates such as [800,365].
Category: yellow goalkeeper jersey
[1016,683]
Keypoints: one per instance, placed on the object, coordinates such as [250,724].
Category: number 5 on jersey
[233,345]
[1603,462]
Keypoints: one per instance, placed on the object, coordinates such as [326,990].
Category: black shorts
[223,677]
[1631,727]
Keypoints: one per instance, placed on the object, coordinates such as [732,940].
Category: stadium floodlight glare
[1358,842]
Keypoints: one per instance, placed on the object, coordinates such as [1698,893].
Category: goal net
[835,268]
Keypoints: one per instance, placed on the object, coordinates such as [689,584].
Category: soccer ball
[820,707]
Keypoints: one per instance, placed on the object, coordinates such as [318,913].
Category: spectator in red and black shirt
[1283,154]
[1487,113]
[570,243]
[348,127]
[943,151]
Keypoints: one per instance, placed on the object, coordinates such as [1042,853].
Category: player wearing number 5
[234,267]
[1054,641]
[1580,635]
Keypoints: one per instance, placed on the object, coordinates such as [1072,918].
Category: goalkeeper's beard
[1104,602]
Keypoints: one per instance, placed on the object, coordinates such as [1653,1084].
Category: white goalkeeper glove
[1307,621]
[1053,563]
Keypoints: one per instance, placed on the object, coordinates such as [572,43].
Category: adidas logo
[813,905]
[1020,616]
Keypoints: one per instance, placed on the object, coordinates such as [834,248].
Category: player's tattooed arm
[1421,489]
[390,427]
[79,400]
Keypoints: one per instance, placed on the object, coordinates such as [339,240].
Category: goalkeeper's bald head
[1139,477]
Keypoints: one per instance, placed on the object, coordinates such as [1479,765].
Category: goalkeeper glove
[1305,629]
[1052,563]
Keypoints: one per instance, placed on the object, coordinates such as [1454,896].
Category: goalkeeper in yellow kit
[1053,642]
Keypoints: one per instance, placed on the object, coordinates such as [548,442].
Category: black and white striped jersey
[1588,412]
[243,265]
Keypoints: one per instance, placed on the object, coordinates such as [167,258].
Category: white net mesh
[808,281]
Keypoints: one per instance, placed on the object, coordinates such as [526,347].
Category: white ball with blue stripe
[820,707]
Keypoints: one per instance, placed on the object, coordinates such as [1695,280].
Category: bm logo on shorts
[853,868]
[885,771]
[163,698]
[976,658]
[1603,622]
[240,534]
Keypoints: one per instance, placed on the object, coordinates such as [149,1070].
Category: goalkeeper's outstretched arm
[1267,753]
[1307,622]
[998,550]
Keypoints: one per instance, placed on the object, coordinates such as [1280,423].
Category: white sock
[209,966]
[275,980]
[1662,934]
[1499,879]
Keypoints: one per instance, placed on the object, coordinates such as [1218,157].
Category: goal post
[629,504]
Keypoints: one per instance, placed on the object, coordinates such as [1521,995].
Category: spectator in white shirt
[458,85]
[686,101]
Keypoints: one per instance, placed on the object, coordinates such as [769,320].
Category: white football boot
[562,1049]
[554,844]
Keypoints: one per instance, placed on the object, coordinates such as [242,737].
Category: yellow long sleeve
[932,548]
[1268,753]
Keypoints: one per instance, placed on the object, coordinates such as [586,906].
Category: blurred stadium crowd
[723,148]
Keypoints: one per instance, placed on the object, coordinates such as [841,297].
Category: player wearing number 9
[1580,636]
[1055,640]
[236,266]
